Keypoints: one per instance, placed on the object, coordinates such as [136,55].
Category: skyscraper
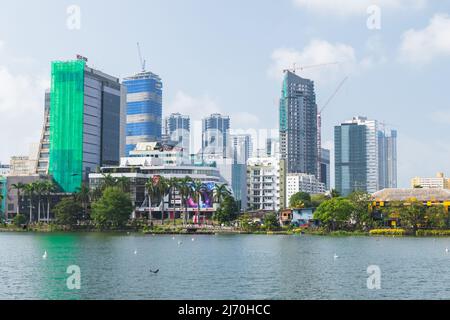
[298,125]
[215,134]
[242,149]
[356,156]
[325,162]
[177,128]
[144,109]
[87,114]
[387,154]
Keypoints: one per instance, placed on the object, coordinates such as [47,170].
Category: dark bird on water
[155,272]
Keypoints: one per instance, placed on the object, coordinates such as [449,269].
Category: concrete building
[146,152]
[356,156]
[242,149]
[5,169]
[215,135]
[272,147]
[298,125]
[144,109]
[387,154]
[87,122]
[302,182]
[438,182]
[44,144]
[266,184]
[177,128]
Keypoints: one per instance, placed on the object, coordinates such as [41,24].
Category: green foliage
[68,212]
[361,215]
[335,213]
[19,220]
[300,200]
[412,215]
[271,222]
[318,199]
[113,209]
[387,232]
[437,217]
[227,211]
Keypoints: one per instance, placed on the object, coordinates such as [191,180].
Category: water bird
[180,243]
[155,272]
[173,238]
[135,251]
[335,256]
[446,250]
[193,239]
[45,255]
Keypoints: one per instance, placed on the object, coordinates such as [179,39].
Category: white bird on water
[193,239]
[335,256]
[446,250]
[135,252]
[180,243]
[45,255]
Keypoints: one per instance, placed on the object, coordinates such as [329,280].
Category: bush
[387,232]
[433,233]
[19,220]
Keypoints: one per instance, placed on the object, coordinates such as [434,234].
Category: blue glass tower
[144,109]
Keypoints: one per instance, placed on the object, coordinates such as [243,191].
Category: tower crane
[319,122]
[141,60]
[295,68]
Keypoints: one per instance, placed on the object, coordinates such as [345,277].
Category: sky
[228,56]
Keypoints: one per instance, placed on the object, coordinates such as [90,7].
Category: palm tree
[164,190]
[49,189]
[108,181]
[174,186]
[123,183]
[39,188]
[220,192]
[185,189]
[29,191]
[152,191]
[19,187]
[84,196]
[198,187]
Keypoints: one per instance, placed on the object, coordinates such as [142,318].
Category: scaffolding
[66,124]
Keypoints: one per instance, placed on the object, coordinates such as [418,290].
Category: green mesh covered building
[86,123]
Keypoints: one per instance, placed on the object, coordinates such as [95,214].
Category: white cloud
[315,53]
[422,46]
[356,7]
[195,107]
[441,117]
[21,111]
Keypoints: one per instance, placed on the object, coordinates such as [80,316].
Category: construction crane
[319,123]
[301,68]
[141,60]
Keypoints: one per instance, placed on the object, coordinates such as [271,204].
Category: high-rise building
[298,125]
[44,145]
[272,147]
[242,149]
[87,116]
[215,134]
[356,156]
[325,165]
[144,109]
[387,155]
[177,128]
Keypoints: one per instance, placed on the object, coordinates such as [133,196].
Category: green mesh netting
[66,124]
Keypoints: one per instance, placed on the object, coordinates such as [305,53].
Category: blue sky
[227,56]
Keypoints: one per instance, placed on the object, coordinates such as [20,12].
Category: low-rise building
[301,182]
[438,182]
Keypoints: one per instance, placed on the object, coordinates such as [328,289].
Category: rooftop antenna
[141,60]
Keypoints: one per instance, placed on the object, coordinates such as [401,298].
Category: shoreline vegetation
[174,230]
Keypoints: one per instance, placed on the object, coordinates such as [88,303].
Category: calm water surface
[222,267]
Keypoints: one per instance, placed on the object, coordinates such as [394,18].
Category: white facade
[371,151]
[153,153]
[263,184]
[301,182]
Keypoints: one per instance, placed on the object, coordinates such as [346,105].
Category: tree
[335,193]
[412,215]
[227,211]
[334,213]
[49,189]
[437,217]
[300,200]
[185,193]
[83,195]
[164,190]
[113,209]
[174,186]
[19,187]
[29,191]
[271,222]
[198,188]
[68,212]
[361,215]
[318,199]
[220,192]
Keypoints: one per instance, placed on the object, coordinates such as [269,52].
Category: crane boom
[301,68]
[141,60]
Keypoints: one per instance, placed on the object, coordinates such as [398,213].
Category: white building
[265,184]
[302,182]
[438,182]
[154,153]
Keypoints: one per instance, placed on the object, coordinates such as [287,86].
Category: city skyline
[374,53]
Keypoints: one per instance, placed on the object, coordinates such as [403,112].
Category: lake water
[222,267]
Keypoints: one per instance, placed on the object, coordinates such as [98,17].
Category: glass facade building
[144,109]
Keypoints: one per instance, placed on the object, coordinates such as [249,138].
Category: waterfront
[222,267]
